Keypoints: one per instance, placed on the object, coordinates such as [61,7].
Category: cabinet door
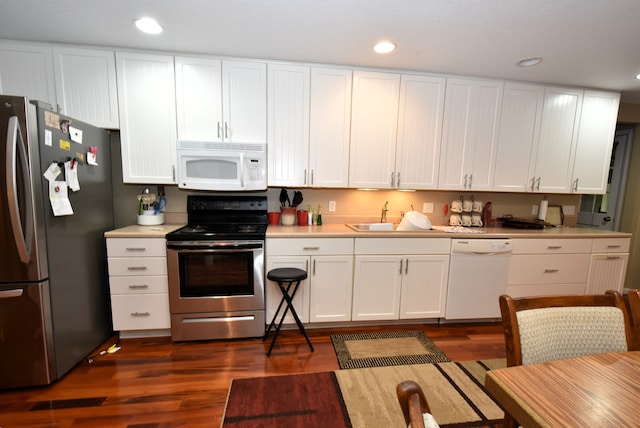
[244,106]
[607,272]
[26,69]
[288,118]
[374,120]
[199,99]
[553,161]
[273,295]
[424,287]
[518,137]
[470,134]
[595,142]
[86,85]
[419,131]
[331,285]
[376,288]
[147,104]
[329,127]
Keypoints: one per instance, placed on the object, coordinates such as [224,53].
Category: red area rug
[306,400]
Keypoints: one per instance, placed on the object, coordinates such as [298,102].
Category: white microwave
[204,165]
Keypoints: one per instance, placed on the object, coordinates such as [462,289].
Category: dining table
[600,390]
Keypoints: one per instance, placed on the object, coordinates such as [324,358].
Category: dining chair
[414,405]
[633,300]
[545,328]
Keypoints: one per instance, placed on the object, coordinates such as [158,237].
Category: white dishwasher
[478,274]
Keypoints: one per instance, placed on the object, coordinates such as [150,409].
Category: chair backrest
[544,328]
[633,299]
[414,405]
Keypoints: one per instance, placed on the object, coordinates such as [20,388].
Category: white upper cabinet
[374,120]
[470,134]
[419,131]
[288,124]
[26,69]
[147,104]
[77,82]
[86,85]
[329,127]
[595,142]
[552,164]
[221,100]
[518,138]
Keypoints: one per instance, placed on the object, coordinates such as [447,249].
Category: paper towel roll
[542,210]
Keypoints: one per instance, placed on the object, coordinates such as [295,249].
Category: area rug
[310,400]
[389,348]
[364,398]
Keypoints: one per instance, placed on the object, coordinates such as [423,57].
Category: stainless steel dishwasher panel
[478,274]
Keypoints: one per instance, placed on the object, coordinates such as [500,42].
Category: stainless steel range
[216,269]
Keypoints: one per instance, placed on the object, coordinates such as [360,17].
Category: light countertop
[342,231]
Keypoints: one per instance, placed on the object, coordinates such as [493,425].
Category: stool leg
[295,315]
[285,294]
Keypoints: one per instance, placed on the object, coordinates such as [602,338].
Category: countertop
[342,231]
[136,231]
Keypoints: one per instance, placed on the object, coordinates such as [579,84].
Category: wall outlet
[332,206]
[569,209]
[427,207]
[534,210]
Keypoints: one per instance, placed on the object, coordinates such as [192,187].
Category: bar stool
[292,277]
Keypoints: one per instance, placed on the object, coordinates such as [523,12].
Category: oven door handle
[215,246]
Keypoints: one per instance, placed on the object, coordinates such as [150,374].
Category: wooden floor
[155,383]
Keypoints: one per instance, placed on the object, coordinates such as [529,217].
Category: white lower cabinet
[325,296]
[608,267]
[548,267]
[400,278]
[138,286]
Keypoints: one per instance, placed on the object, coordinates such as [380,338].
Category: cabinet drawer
[550,246]
[402,246]
[138,284]
[136,247]
[135,266]
[309,246]
[140,312]
[548,269]
[611,245]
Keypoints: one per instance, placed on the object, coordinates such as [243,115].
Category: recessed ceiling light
[638,76]
[384,47]
[529,61]
[148,25]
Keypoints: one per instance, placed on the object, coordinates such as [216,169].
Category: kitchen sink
[371,227]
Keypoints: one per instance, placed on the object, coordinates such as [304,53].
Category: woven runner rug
[389,348]
[364,398]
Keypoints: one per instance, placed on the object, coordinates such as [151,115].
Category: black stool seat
[286,274]
[292,277]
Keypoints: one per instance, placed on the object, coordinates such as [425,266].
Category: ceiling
[590,43]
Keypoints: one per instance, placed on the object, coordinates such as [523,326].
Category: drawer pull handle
[550,270]
[614,246]
[140,314]
[136,249]
[138,286]
[613,257]
[137,267]
[554,247]
[310,248]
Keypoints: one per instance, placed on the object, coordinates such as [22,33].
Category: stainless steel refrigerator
[54,293]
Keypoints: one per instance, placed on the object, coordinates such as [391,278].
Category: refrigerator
[54,292]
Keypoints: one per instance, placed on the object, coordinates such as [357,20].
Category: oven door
[219,276]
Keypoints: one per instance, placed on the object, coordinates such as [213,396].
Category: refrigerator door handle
[11,293]
[17,152]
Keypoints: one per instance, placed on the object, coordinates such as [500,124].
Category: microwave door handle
[242,170]
[17,152]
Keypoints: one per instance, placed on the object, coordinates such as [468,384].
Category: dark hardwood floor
[152,382]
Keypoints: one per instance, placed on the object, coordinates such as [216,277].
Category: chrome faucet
[383,218]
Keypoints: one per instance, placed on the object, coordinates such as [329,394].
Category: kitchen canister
[288,216]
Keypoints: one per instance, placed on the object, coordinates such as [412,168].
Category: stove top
[223,218]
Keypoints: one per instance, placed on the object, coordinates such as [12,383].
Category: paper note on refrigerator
[71,175]
[75,134]
[59,198]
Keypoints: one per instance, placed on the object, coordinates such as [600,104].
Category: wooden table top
[600,390]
